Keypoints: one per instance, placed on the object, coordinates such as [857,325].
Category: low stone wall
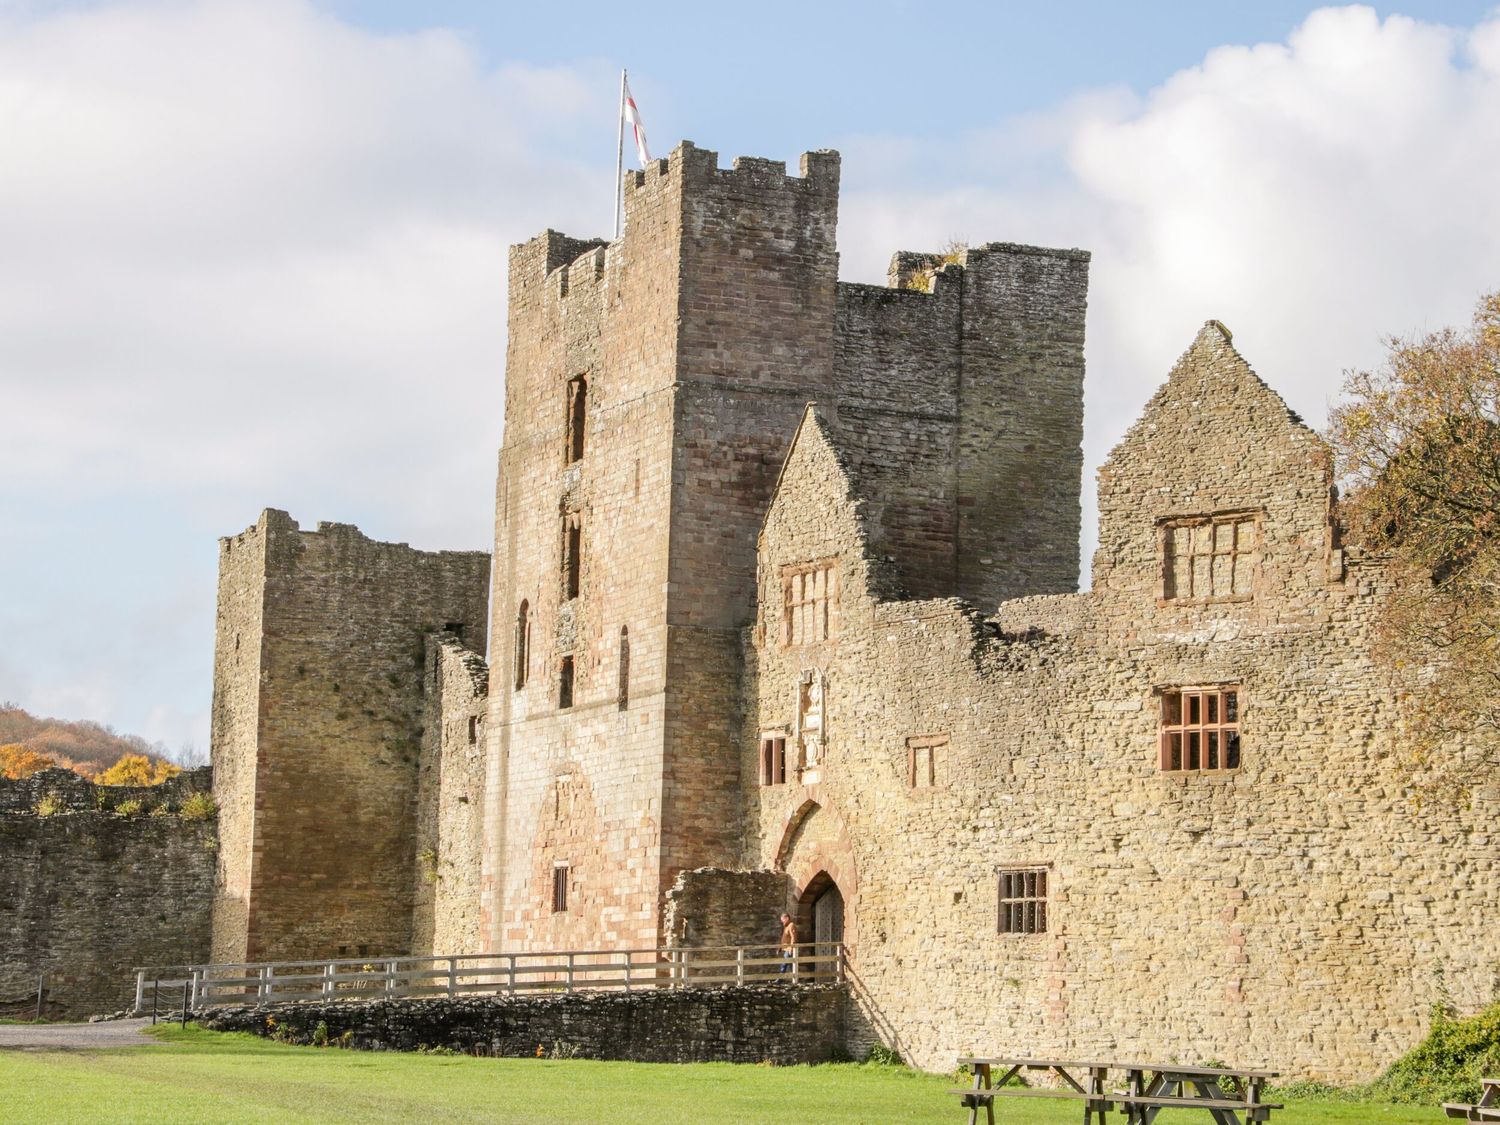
[87,894]
[711,906]
[764,1023]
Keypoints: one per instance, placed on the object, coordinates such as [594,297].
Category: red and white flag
[633,119]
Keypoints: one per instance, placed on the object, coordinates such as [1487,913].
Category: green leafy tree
[1418,445]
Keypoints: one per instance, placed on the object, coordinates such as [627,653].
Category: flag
[633,118]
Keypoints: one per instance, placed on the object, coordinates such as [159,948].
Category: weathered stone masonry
[87,893]
[701,334]
[757,1024]
[782,615]
[320,664]
[1293,911]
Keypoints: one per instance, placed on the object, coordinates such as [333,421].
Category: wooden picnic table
[1487,1108]
[1149,1088]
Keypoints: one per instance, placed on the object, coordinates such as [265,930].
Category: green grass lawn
[201,1076]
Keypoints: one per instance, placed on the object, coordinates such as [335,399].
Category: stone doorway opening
[820,913]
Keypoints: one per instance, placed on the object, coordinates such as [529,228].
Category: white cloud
[252,256]
[1314,195]
[247,244]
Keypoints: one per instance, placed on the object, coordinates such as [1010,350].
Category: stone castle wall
[702,333]
[340,624]
[87,894]
[450,801]
[1295,912]
[600,784]
[580,786]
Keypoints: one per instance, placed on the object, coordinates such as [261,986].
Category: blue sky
[252,251]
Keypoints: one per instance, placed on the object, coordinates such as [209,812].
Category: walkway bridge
[196,987]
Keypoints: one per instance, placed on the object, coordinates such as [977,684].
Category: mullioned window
[1200,729]
[810,599]
[1213,558]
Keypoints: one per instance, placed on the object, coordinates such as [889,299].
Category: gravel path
[73,1036]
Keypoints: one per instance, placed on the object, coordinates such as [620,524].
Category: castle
[782,614]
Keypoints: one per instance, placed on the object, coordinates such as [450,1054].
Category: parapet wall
[87,894]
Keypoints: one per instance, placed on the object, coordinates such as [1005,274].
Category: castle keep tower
[652,385]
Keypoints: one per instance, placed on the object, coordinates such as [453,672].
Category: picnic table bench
[1149,1088]
[1487,1108]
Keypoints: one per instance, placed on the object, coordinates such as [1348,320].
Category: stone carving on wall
[811,724]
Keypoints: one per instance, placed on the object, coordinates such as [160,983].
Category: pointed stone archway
[815,851]
[822,904]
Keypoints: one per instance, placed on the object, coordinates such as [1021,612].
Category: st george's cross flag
[633,119]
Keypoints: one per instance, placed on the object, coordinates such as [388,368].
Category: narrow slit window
[578,399]
[572,555]
[624,688]
[1200,729]
[565,683]
[523,643]
[473,729]
[1023,900]
[560,874]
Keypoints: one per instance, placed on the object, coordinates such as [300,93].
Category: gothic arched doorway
[828,915]
[821,910]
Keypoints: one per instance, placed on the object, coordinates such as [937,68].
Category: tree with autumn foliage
[1418,446]
[137,769]
[17,761]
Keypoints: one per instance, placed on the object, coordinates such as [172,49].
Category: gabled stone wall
[1300,912]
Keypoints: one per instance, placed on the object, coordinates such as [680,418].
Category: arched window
[578,396]
[624,667]
[523,643]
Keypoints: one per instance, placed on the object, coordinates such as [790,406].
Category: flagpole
[620,156]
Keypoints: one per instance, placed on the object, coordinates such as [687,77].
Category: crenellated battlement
[694,166]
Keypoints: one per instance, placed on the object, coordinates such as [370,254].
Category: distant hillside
[85,747]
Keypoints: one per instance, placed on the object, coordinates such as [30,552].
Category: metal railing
[489,974]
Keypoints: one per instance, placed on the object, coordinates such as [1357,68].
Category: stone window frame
[1182,732]
[824,614]
[1022,894]
[773,759]
[922,749]
[1165,527]
[561,872]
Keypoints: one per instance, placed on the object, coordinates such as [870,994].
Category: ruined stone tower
[317,728]
[651,388]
